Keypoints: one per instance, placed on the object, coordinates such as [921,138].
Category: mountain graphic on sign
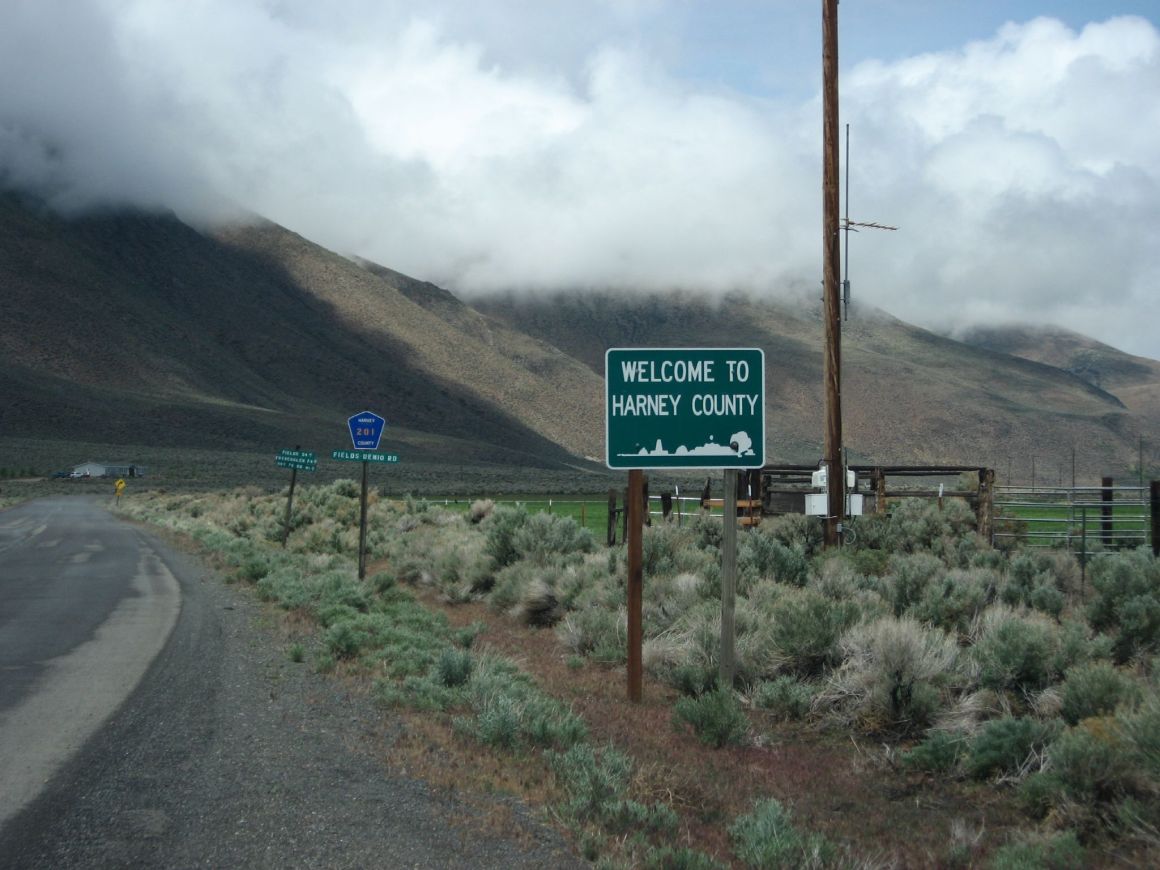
[739,444]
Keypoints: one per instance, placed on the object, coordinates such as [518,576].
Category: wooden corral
[783,488]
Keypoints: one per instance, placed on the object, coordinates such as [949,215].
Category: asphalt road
[150,717]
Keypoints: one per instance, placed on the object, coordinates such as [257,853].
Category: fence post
[1155,511]
[1083,554]
[879,491]
[985,510]
[1106,498]
[611,517]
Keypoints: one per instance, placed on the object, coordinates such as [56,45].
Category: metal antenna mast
[847,226]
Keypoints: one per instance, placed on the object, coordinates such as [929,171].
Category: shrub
[1015,652]
[509,712]
[480,510]
[805,626]
[891,674]
[512,583]
[939,753]
[765,556]
[254,568]
[345,640]
[1032,581]
[454,667]
[916,524]
[1078,646]
[1008,746]
[497,723]
[716,717]
[797,531]
[539,606]
[1092,762]
[597,789]
[693,679]
[954,601]
[784,697]
[543,537]
[767,838]
[906,582]
[707,532]
[1127,601]
[501,528]
[661,549]
[1095,689]
[597,632]
[1141,731]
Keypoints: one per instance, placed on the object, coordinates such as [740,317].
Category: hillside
[134,328]
[1134,380]
[137,329]
[909,395]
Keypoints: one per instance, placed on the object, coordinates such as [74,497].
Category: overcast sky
[530,144]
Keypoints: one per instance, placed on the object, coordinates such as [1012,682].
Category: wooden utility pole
[831,300]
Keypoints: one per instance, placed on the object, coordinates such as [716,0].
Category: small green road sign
[684,408]
[363,456]
[300,460]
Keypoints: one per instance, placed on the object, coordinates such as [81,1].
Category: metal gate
[1118,517]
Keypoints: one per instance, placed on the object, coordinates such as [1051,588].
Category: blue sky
[634,144]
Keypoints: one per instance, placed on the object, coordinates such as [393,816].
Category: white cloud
[1024,172]
[534,145]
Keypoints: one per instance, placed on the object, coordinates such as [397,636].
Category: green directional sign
[684,408]
[301,460]
[363,456]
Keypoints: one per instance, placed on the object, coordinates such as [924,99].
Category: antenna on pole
[847,226]
[846,230]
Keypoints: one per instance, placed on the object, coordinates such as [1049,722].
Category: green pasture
[1130,523]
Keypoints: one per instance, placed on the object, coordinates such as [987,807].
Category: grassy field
[1077,526]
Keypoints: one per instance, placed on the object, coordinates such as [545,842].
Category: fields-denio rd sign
[684,408]
[360,456]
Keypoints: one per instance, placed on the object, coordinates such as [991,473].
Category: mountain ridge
[126,325]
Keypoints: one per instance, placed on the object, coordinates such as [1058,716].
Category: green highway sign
[363,456]
[301,460]
[684,408]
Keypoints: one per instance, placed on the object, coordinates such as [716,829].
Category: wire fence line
[1074,518]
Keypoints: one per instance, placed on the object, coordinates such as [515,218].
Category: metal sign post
[362,526]
[366,430]
[728,580]
[296,460]
[635,546]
